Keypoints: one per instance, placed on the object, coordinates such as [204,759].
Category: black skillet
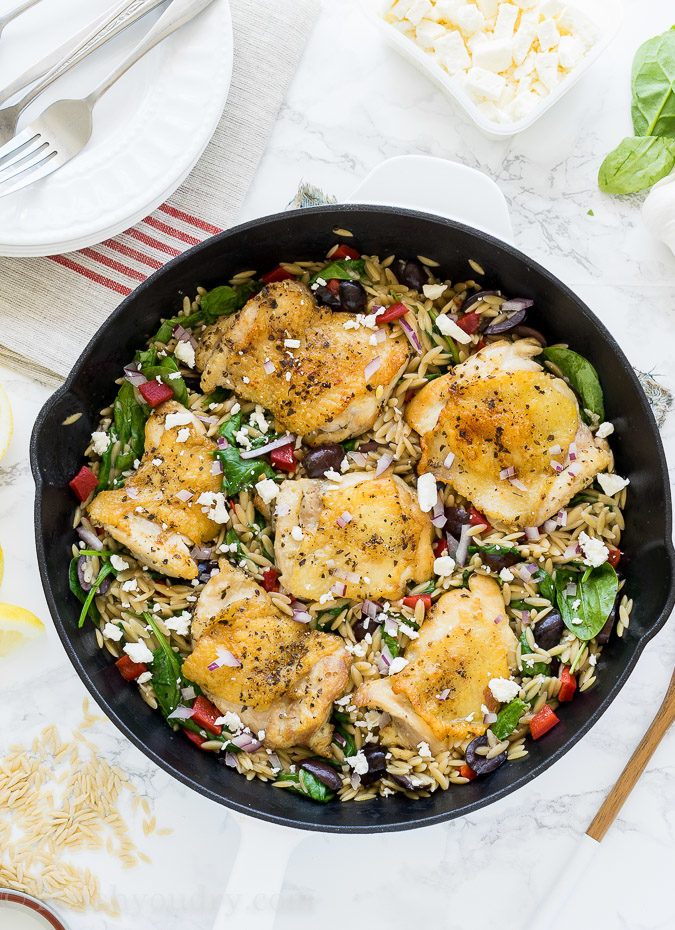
[56,455]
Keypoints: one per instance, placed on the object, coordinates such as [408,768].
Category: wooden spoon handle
[635,766]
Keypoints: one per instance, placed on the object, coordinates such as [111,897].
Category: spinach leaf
[596,592]
[305,783]
[581,375]
[240,474]
[324,619]
[636,163]
[546,585]
[392,643]
[129,426]
[221,301]
[494,549]
[217,396]
[508,717]
[343,270]
[232,539]
[653,86]
[449,341]
[349,746]
[80,593]
[530,669]
[88,603]
[166,665]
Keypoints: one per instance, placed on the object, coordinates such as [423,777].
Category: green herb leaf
[305,783]
[349,747]
[221,301]
[653,86]
[596,591]
[546,585]
[494,549]
[88,603]
[452,346]
[530,669]
[166,665]
[636,163]
[163,368]
[241,474]
[508,717]
[391,643]
[325,619]
[343,270]
[581,375]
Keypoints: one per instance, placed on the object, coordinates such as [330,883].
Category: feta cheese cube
[138,652]
[493,54]
[417,11]
[548,35]
[444,566]
[506,20]
[185,353]
[612,484]
[267,489]
[443,322]
[522,42]
[503,689]
[546,66]
[488,8]
[470,19]
[428,32]
[550,8]
[574,22]
[446,11]
[604,430]
[526,4]
[571,51]
[595,551]
[427,492]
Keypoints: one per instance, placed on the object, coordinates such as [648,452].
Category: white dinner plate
[149,129]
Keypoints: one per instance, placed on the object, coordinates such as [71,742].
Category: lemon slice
[6,422]
[17,627]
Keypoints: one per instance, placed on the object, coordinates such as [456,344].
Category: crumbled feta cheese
[503,690]
[292,343]
[427,492]
[332,475]
[449,328]
[118,563]
[506,574]
[183,435]
[179,624]
[230,721]
[257,419]
[242,438]
[595,551]
[434,291]
[469,19]
[423,750]
[493,54]
[206,499]
[451,52]
[267,489]
[218,513]
[604,430]
[548,35]
[612,484]
[297,534]
[138,652]
[325,598]
[130,585]
[177,419]
[507,15]
[427,32]
[144,678]
[185,353]
[246,379]
[157,462]
[358,762]
[484,83]
[111,631]
[408,631]
[397,665]
[444,566]
[100,441]
[592,659]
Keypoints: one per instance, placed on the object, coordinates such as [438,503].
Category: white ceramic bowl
[605,14]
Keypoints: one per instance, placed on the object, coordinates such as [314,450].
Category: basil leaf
[308,785]
[653,86]
[530,669]
[508,717]
[596,593]
[636,163]
[165,669]
[581,375]
[344,269]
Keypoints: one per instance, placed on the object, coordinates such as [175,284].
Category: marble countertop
[353,103]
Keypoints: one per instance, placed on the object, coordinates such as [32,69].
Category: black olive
[363,626]
[507,324]
[548,631]
[527,332]
[376,756]
[325,296]
[499,560]
[475,297]
[553,667]
[603,636]
[324,772]
[412,274]
[480,764]
[323,459]
[353,297]
[456,518]
[370,446]
[404,781]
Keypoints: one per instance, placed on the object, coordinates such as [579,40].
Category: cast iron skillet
[56,455]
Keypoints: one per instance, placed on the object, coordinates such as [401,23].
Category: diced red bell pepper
[476,518]
[412,599]
[155,392]
[195,737]
[333,285]
[469,323]
[284,458]
[568,685]
[276,274]
[467,772]
[614,556]
[269,579]
[440,547]
[392,313]
[130,670]
[542,722]
[84,483]
[344,251]
[480,345]
[204,714]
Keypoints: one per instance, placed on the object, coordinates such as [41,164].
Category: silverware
[63,129]
[8,17]
[71,53]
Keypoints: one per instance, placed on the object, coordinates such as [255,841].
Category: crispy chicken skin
[465,642]
[289,674]
[145,515]
[501,409]
[386,542]
[318,388]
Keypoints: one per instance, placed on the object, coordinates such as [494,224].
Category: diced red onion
[222,443]
[370,609]
[207,419]
[571,551]
[380,335]
[132,493]
[371,368]
[246,742]
[391,626]
[384,463]
[339,738]
[200,552]
[344,519]
[133,375]
[498,618]
[274,761]
[516,303]
[525,572]
[489,718]
[562,518]
[184,495]
[517,483]
[549,526]
[444,695]
[301,616]
[463,546]
[411,334]
[556,466]
[509,472]
[572,472]
[449,459]
[216,467]
[268,447]
[555,450]
[231,760]
[225,658]
[452,545]
[525,618]
[439,518]
[183,335]
[269,367]
[188,694]
[90,538]
[339,588]
[532,533]
[351,577]
[359,458]
[384,661]
[572,452]
[354,780]
[181,713]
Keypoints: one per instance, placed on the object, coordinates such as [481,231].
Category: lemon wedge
[17,627]
[6,422]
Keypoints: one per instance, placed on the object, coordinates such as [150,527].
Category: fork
[71,53]
[8,17]
[64,128]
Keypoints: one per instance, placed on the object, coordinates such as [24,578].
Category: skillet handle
[251,896]
[439,186]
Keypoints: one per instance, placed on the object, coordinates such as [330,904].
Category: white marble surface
[353,103]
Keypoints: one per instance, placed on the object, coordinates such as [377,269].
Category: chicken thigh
[146,515]
[361,537]
[437,698]
[303,362]
[507,435]
[287,675]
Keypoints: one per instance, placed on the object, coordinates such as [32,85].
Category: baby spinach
[240,474]
[232,539]
[165,669]
[324,619]
[546,585]
[86,598]
[391,643]
[508,717]
[221,301]
[449,341]
[581,375]
[636,163]
[596,593]
[530,669]
[152,366]
[344,269]
[349,746]
[307,784]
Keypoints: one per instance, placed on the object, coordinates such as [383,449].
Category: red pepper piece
[195,737]
[155,392]
[476,518]
[392,313]
[344,251]
[469,323]
[84,483]
[568,685]
[269,579]
[542,722]
[440,547]
[204,714]
[277,274]
[130,670]
[333,285]
[412,599]
[284,458]
[467,772]
[614,556]
[480,345]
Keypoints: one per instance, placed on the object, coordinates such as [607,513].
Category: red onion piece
[344,519]
[359,458]
[181,713]
[371,368]
[133,374]
[338,589]
[572,452]
[370,609]
[516,303]
[222,443]
[463,545]
[474,298]
[246,742]
[231,760]
[571,551]
[508,472]
[216,467]
[444,695]
[200,553]
[184,495]
[269,367]
[562,518]
[549,526]
[268,447]
[90,538]
[439,518]
[390,626]
[525,618]
[555,450]
[301,616]
[339,738]
[207,419]
[383,464]
[556,466]
[532,533]
[184,335]
[517,483]
[351,577]
[380,335]
[354,780]
[411,334]
[489,718]
[225,658]
[384,661]
[188,694]
[572,472]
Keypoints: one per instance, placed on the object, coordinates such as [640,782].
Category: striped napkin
[50,307]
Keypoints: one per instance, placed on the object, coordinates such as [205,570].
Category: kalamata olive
[86,586]
[370,446]
[474,298]
[412,274]
[605,633]
[481,765]
[353,297]
[363,626]
[528,332]
[325,296]
[320,460]
[456,518]
[553,667]
[507,324]
[324,772]
[205,569]
[499,560]
[376,756]
[548,631]
[405,781]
